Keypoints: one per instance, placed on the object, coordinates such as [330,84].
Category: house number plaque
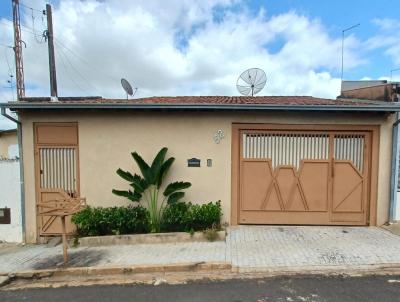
[193,162]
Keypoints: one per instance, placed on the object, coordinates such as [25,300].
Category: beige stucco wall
[7,139]
[107,138]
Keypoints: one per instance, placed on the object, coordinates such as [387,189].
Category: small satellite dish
[128,88]
[251,81]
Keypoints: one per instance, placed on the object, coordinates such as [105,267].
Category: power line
[60,55]
[23,29]
[10,70]
[84,60]
[8,62]
[77,71]
[33,28]
[5,45]
[31,8]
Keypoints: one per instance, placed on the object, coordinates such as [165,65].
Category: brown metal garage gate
[304,177]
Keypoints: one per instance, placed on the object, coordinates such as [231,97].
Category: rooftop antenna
[251,81]
[128,88]
[391,73]
[343,32]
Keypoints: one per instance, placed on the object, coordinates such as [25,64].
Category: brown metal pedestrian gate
[57,174]
[304,177]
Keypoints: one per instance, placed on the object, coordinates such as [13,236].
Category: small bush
[111,221]
[189,217]
[205,216]
[175,217]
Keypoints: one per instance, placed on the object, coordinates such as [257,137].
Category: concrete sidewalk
[247,248]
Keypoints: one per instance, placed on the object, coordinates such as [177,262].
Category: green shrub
[111,221]
[175,217]
[205,216]
[189,217]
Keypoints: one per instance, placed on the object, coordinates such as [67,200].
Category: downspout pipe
[21,169]
[395,170]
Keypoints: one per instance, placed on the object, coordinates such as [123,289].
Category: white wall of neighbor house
[13,151]
[106,139]
[10,197]
[8,145]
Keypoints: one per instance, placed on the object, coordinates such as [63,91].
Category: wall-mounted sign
[193,162]
[5,216]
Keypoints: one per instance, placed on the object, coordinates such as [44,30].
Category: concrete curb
[121,270]
[322,270]
[147,239]
[4,280]
[202,267]
[207,268]
[176,273]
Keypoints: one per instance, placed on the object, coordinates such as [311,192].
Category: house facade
[270,160]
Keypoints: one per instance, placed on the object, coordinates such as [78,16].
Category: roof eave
[245,107]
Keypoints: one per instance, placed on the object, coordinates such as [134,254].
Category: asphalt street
[299,288]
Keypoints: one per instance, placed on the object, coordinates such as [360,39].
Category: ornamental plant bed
[164,211]
[182,222]
[150,238]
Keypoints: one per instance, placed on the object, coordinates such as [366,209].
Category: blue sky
[180,47]
[339,14]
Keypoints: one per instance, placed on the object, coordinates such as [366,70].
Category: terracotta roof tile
[238,100]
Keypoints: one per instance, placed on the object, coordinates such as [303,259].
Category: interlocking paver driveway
[256,247]
[288,246]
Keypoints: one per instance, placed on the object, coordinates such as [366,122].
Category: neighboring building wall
[386,92]
[107,138]
[10,197]
[351,85]
[8,144]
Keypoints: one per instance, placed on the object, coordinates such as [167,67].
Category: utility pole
[52,60]
[19,65]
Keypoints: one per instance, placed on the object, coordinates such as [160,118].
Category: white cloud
[179,47]
[388,38]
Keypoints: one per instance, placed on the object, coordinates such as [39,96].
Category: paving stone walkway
[246,247]
[288,246]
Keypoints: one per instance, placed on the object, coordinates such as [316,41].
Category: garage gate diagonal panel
[303,177]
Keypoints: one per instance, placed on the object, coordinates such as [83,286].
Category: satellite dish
[251,81]
[128,88]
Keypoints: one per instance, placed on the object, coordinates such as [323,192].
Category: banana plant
[148,186]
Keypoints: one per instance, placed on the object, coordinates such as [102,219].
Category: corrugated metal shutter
[58,169]
[286,149]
